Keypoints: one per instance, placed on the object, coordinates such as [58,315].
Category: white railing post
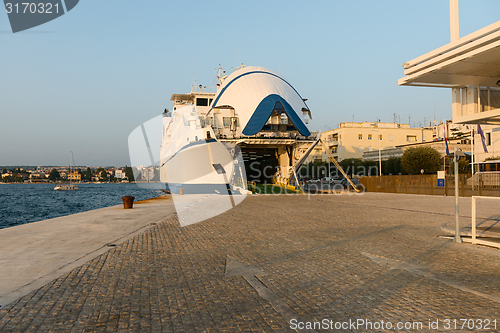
[483,239]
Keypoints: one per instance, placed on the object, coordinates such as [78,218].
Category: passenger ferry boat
[253,106]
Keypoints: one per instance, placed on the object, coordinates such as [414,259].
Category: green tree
[358,167]
[104,175]
[54,175]
[88,174]
[393,166]
[351,165]
[463,166]
[129,174]
[421,158]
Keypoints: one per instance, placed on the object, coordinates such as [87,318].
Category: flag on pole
[483,140]
[446,138]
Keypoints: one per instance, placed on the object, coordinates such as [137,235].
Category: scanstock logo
[25,14]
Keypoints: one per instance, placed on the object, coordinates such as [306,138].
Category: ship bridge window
[202,102]
[232,122]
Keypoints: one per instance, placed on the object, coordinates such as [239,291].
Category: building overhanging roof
[473,60]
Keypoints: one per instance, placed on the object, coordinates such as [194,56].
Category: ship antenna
[239,67]
[219,74]
[194,75]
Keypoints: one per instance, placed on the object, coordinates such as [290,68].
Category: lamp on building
[498,83]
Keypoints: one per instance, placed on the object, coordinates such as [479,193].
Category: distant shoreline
[45,183]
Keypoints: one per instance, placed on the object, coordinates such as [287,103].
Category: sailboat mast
[70,166]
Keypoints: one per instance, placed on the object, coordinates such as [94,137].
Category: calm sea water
[26,203]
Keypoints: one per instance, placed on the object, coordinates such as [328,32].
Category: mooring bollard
[181,191]
[128,202]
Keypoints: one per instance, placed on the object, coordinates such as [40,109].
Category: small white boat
[66,187]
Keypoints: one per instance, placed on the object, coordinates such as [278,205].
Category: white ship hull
[200,167]
[191,159]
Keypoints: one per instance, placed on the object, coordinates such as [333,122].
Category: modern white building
[470,67]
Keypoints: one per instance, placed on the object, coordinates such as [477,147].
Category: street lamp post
[379,157]
[456,157]
[379,153]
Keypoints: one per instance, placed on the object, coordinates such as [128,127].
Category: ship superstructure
[259,111]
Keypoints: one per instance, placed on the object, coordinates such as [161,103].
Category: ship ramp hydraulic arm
[325,147]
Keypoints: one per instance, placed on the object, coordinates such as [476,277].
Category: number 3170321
[31,7]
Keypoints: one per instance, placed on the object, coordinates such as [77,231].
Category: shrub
[416,159]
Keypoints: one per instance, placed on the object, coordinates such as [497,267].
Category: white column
[454,27]
[454,35]
[456,103]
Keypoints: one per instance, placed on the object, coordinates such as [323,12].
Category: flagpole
[444,141]
[472,155]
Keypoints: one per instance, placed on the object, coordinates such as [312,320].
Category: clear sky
[84,81]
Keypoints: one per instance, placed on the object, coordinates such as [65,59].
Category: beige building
[352,139]
[75,176]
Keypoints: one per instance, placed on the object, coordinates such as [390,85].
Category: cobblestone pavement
[330,257]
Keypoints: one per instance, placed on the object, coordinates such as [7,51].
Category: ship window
[202,102]
[226,121]
[210,101]
[219,168]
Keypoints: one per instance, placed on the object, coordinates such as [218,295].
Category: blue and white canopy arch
[254,92]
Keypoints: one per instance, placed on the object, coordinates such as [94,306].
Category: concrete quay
[276,260]
[31,255]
